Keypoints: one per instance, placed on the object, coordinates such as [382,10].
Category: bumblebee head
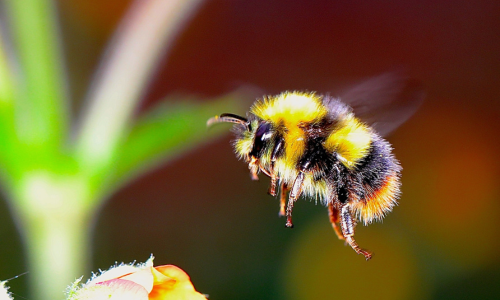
[253,138]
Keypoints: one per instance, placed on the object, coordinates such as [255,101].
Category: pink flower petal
[115,289]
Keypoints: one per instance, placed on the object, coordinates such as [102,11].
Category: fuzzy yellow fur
[290,110]
[351,140]
[244,145]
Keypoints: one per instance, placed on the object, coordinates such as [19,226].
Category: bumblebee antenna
[229,118]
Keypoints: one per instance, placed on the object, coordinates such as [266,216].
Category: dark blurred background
[203,213]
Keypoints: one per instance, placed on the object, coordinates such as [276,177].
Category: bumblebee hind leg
[333,213]
[348,224]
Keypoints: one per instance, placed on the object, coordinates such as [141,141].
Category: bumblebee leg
[274,179]
[253,165]
[284,191]
[333,213]
[348,224]
[294,195]
[278,148]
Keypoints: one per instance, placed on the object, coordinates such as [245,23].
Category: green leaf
[168,131]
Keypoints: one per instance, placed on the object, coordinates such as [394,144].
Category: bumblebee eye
[262,135]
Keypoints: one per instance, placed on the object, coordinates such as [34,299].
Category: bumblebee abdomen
[377,184]
[350,140]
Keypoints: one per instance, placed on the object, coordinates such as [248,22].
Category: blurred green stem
[51,207]
[42,119]
[7,128]
[38,127]
[146,32]
[54,186]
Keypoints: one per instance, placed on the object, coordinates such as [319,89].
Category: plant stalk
[50,208]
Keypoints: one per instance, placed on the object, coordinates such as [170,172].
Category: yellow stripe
[351,140]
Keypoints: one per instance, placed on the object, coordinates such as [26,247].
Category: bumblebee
[314,145]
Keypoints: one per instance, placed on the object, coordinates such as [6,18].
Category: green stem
[7,128]
[51,210]
[6,89]
[42,112]
[146,33]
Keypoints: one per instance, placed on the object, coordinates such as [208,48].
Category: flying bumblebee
[315,145]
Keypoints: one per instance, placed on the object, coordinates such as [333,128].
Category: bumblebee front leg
[333,213]
[274,180]
[348,224]
[277,149]
[294,195]
[253,165]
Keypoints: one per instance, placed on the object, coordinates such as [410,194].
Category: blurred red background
[202,212]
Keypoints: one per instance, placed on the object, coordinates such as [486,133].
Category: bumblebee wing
[385,102]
